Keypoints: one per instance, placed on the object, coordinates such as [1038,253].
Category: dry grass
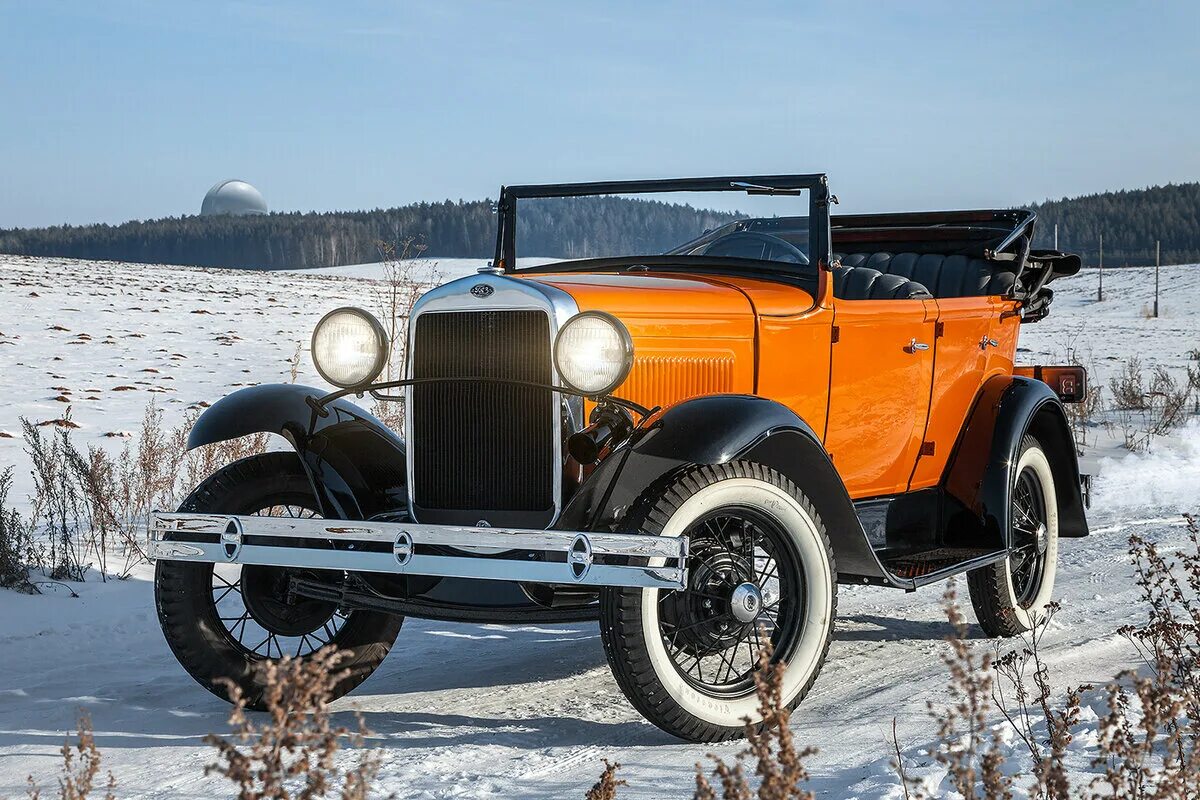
[394,298]
[80,769]
[17,548]
[1128,388]
[1149,738]
[1167,403]
[1144,411]
[292,754]
[57,503]
[605,787]
[92,508]
[778,762]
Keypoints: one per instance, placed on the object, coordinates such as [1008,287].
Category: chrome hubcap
[746,602]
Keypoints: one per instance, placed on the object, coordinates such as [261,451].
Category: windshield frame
[816,185]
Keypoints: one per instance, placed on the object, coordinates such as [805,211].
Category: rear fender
[355,463]
[980,475]
[716,430]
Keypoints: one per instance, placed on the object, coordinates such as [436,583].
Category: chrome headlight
[349,347]
[593,352]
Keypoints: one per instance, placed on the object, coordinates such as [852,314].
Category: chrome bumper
[570,557]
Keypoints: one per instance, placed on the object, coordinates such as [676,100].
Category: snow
[499,710]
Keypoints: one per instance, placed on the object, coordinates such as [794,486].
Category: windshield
[730,224]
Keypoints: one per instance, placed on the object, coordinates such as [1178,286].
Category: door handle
[915,347]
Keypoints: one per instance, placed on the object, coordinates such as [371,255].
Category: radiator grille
[482,447]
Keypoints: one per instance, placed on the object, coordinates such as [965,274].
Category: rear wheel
[224,621]
[1010,595]
[760,570]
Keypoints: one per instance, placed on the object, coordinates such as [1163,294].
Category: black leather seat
[944,276]
[864,283]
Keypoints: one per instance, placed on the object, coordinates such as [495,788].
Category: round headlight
[593,352]
[349,347]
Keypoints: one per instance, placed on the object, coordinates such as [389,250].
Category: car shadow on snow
[431,656]
[874,628]
[401,730]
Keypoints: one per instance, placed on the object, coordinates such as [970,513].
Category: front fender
[979,477]
[355,463]
[715,430]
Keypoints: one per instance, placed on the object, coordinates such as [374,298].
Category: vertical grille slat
[481,447]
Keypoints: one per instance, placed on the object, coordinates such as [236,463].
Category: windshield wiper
[754,188]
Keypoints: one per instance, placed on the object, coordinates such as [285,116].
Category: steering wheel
[739,243]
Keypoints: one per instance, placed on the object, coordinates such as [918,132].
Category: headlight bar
[563,557]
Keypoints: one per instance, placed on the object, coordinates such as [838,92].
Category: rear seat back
[943,276]
[864,283]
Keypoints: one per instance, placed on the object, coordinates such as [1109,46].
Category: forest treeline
[567,227]
[1130,222]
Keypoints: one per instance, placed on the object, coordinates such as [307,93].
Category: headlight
[349,347]
[593,352]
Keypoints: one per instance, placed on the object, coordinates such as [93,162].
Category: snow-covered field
[496,710]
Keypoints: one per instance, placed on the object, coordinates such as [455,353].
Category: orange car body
[888,413]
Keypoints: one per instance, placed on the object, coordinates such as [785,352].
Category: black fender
[980,474]
[356,463]
[714,430]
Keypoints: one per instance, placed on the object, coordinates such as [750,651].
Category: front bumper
[401,548]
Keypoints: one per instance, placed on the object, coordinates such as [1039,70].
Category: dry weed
[395,296]
[292,754]
[17,549]
[57,503]
[778,763]
[1166,403]
[972,756]
[606,787]
[1128,388]
[80,769]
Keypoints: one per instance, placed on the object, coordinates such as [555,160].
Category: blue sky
[123,110]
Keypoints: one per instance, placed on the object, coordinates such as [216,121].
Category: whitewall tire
[1011,596]
[760,563]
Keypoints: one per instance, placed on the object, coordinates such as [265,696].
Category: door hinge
[939,329]
[835,335]
[927,448]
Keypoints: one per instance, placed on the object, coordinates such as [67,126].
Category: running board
[923,568]
[400,548]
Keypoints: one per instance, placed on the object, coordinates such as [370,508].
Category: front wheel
[760,569]
[224,621]
[1010,595]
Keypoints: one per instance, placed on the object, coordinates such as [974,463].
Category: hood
[662,306]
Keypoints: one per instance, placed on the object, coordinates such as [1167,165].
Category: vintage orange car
[694,447]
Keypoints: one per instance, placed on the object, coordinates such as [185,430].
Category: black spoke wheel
[737,600]
[1029,536]
[257,609]
[224,621]
[1010,596]
[760,570]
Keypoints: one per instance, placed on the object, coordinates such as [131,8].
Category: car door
[881,369]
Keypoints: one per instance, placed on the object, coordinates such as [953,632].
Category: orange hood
[691,335]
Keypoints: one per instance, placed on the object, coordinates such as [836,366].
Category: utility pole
[1157,261]
[1100,291]
[1056,236]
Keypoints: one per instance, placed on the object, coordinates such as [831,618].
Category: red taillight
[1069,383]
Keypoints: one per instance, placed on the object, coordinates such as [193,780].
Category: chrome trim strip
[508,294]
[666,569]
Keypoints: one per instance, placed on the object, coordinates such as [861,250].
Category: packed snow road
[492,710]
[505,710]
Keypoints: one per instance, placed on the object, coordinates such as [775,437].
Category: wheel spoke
[224,594]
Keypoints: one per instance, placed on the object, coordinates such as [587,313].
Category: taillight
[1069,383]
